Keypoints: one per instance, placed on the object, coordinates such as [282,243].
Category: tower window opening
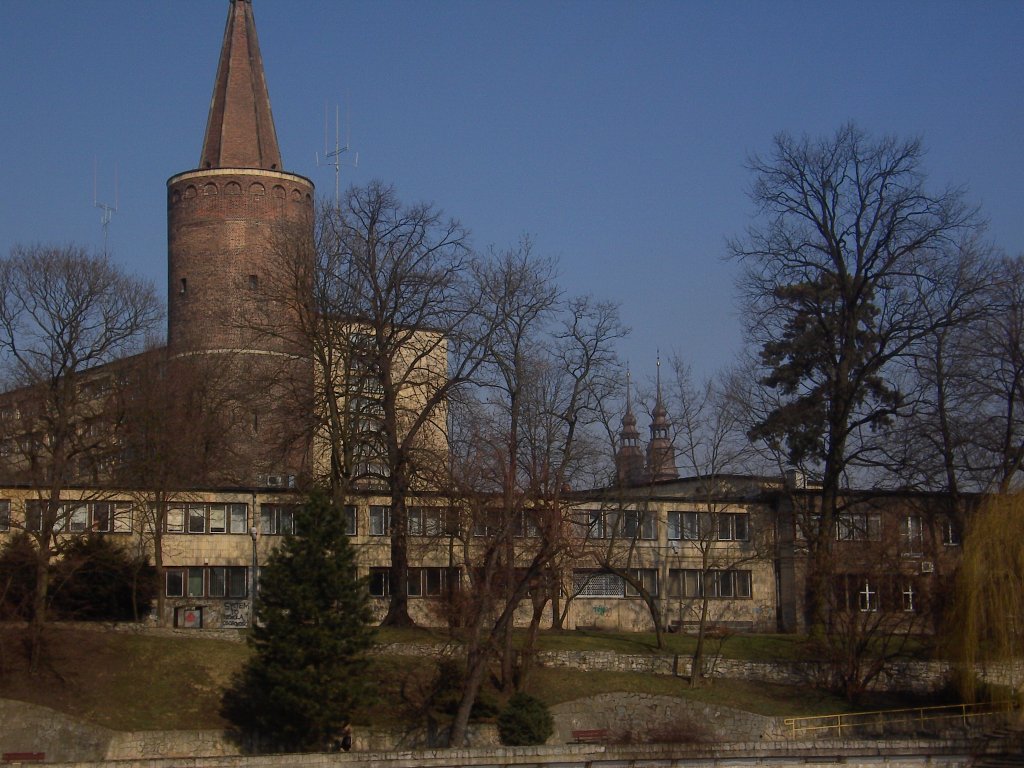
[254,282]
[184,286]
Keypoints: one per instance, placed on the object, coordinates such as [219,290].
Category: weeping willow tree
[987,618]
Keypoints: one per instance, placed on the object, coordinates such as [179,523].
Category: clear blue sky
[613,133]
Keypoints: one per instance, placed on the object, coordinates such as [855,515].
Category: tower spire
[240,130]
[661,453]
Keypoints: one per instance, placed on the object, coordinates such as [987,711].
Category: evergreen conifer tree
[308,670]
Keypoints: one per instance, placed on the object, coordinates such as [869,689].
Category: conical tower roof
[240,130]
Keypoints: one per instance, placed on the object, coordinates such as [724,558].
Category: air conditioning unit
[927,566]
[276,481]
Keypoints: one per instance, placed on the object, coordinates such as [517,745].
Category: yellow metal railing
[877,722]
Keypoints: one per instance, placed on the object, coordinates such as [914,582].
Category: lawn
[129,681]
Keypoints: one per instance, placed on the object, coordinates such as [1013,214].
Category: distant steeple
[661,453]
[240,130]
[629,460]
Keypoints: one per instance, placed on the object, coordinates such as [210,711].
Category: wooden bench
[590,736]
[23,757]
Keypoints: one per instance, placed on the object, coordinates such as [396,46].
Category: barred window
[597,584]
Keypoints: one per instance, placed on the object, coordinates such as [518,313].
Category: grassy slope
[141,682]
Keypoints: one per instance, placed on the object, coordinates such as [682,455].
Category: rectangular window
[637,524]
[859,526]
[732,526]
[175,580]
[380,585]
[277,519]
[674,531]
[175,519]
[647,577]
[415,527]
[197,518]
[102,516]
[692,582]
[5,515]
[415,582]
[77,518]
[122,517]
[218,582]
[597,584]
[350,520]
[218,518]
[195,582]
[238,518]
[237,586]
[950,534]
[380,520]
[911,536]
[590,524]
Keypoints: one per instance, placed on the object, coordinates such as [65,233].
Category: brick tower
[225,223]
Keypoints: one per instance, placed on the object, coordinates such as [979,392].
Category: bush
[17,577]
[97,580]
[525,721]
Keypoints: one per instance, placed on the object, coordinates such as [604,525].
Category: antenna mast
[107,209]
[333,157]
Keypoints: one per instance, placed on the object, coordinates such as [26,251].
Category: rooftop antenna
[333,157]
[107,209]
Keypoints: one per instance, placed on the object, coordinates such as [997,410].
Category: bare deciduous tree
[63,313]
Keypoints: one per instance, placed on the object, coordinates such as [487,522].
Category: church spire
[240,130]
[629,461]
[661,453]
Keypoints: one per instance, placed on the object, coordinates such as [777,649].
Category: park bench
[590,736]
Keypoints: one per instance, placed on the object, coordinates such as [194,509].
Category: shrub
[525,721]
[17,577]
[97,580]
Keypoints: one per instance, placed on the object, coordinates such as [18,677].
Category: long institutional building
[731,539]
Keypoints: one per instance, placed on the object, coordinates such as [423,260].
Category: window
[692,582]
[218,518]
[908,594]
[597,584]
[209,581]
[590,524]
[380,585]
[196,518]
[429,582]
[525,524]
[867,597]
[350,520]
[5,515]
[911,536]
[277,519]
[175,519]
[859,526]
[430,521]
[950,534]
[102,516]
[195,582]
[175,583]
[238,518]
[380,520]
[77,517]
[732,526]
[683,525]
[647,577]
[637,525]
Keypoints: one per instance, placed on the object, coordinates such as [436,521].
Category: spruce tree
[308,670]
